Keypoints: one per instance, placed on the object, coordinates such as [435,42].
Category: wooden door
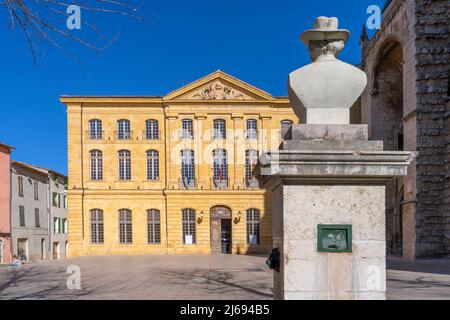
[216,240]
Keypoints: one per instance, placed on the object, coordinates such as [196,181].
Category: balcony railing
[151,135]
[219,184]
[95,135]
[252,184]
[123,135]
[187,184]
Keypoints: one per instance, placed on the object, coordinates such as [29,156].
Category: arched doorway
[387,125]
[221,236]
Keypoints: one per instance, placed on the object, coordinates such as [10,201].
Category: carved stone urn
[324,91]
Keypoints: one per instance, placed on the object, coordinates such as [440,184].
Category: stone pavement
[192,277]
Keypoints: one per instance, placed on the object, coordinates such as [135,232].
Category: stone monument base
[331,178]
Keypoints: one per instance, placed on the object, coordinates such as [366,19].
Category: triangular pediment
[218,86]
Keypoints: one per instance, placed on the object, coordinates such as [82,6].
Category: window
[36,190]
[188,168]
[153,226]
[95,129]
[37,222]
[64,201]
[252,129]
[285,125]
[151,130]
[253,217]
[123,130]
[220,168]
[55,199]
[22,216]
[64,226]
[97,231]
[124,165]
[220,130]
[125,226]
[189,226]
[187,129]
[251,159]
[56,226]
[20,183]
[152,165]
[96,165]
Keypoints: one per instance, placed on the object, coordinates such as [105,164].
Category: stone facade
[37,199]
[215,97]
[406,105]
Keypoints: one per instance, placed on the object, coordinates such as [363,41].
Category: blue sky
[178,42]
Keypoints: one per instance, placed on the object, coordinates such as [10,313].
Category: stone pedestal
[330,175]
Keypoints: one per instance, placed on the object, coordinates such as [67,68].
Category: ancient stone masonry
[406,104]
[432,31]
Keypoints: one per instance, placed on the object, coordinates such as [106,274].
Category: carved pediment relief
[216,90]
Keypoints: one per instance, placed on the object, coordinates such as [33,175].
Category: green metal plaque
[334,238]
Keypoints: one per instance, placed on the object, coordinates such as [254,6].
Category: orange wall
[5,190]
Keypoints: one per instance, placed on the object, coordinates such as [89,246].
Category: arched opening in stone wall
[387,125]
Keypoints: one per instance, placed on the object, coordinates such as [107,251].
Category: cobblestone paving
[190,277]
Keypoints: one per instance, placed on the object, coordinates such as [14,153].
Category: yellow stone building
[172,174]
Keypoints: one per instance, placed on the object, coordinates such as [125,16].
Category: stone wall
[432,30]
[421,27]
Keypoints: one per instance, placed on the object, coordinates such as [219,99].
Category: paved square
[192,277]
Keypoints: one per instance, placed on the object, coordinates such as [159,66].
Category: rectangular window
[55,199]
[36,190]
[59,200]
[95,130]
[153,227]
[37,221]
[187,129]
[97,231]
[56,225]
[64,226]
[20,183]
[252,129]
[152,165]
[96,165]
[189,224]
[22,216]
[123,130]
[125,227]
[151,130]
[220,130]
[253,218]
[65,202]
[124,165]
[188,169]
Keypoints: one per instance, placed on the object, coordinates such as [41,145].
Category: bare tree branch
[46,20]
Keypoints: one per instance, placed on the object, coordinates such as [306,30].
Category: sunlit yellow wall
[138,195]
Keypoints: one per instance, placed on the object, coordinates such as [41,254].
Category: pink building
[5,201]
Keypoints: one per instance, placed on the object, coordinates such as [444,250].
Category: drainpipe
[166,173]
